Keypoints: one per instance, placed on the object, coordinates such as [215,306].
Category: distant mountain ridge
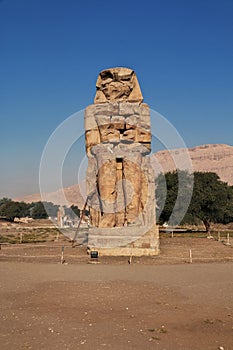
[73,195]
[206,158]
[216,158]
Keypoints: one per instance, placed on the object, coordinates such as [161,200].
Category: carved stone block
[92,138]
[126,108]
[108,133]
[118,121]
[107,108]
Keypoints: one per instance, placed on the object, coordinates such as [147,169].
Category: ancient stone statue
[120,179]
[118,84]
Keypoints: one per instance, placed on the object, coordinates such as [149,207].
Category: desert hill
[214,158]
[206,158]
[73,195]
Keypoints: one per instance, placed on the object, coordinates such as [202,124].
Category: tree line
[9,210]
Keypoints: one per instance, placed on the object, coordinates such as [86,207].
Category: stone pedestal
[125,241]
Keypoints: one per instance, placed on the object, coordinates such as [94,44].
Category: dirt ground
[164,302]
[116,306]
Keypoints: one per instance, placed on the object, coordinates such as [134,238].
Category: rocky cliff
[206,158]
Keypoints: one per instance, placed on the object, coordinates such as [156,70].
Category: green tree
[212,199]
[4,200]
[167,187]
[37,211]
[74,211]
[228,217]
[11,210]
[42,210]
[51,208]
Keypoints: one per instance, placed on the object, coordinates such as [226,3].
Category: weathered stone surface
[132,189]
[147,145]
[144,109]
[102,119]
[142,135]
[120,218]
[94,216]
[107,185]
[108,133]
[144,125]
[125,241]
[120,182]
[126,108]
[148,192]
[91,174]
[92,138]
[118,121]
[90,123]
[90,111]
[89,119]
[129,135]
[132,120]
[109,108]
[115,84]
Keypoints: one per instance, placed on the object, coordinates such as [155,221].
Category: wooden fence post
[190,256]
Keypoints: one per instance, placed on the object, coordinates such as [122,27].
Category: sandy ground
[102,306]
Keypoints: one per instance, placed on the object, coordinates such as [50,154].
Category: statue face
[117,84]
[116,90]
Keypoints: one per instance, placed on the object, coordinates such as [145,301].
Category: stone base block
[124,241]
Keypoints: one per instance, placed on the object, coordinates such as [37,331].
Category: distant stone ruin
[120,179]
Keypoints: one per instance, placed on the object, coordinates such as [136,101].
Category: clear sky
[53,50]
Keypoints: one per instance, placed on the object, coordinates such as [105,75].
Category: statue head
[117,84]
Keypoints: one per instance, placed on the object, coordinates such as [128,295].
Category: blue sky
[52,52]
